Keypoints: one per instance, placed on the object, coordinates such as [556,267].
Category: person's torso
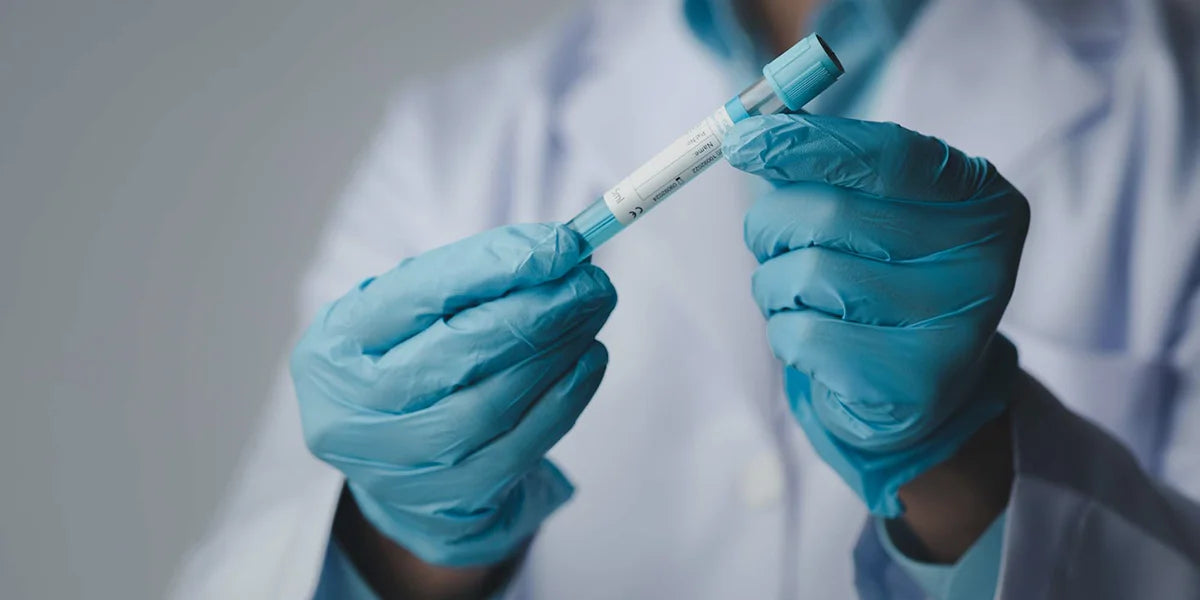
[693,480]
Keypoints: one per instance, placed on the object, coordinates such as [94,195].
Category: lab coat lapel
[992,78]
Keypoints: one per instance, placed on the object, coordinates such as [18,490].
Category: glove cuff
[458,537]
[877,476]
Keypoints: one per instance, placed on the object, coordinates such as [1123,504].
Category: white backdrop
[164,167]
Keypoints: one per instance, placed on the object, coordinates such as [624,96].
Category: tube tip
[829,52]
[803,72]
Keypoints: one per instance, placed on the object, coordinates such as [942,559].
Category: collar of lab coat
[994,78]
[715,23]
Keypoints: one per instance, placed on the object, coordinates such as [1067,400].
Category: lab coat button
[762,482]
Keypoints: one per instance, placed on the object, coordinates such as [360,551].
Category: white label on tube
[669,170]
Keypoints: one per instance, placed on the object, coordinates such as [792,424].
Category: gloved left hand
[887,259]
[438,387]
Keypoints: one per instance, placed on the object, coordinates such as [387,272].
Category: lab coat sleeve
[1085,520]
[1181,452]
[340,579]
[444,165]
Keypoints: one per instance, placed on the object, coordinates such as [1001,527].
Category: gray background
[163,170]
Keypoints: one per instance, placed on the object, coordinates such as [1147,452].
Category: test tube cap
[804,71]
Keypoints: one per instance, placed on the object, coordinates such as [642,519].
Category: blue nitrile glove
[438,387]
[887,258]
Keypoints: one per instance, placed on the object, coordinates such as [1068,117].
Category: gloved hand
[887,259]
[438,387]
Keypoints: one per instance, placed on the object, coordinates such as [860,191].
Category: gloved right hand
[438,387]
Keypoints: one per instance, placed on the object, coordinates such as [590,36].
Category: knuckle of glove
[596,290]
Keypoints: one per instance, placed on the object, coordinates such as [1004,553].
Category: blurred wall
[164,167]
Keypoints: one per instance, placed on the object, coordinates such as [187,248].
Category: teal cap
[804,71]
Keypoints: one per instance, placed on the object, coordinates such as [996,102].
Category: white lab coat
[693,479]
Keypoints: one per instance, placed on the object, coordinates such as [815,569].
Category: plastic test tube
[788,83]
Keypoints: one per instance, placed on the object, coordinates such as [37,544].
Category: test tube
[788,83]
